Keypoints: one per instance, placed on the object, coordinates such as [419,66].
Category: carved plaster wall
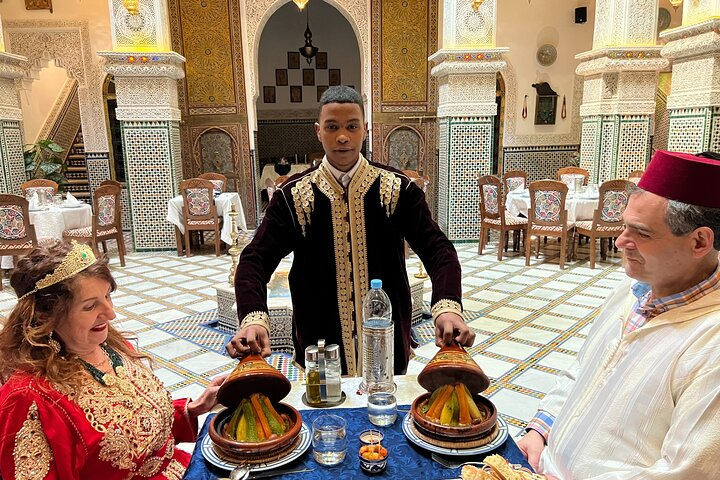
[68,44]
[357,13]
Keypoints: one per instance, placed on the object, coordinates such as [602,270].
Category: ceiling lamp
[476,4]
[300,3]
[131,6]
[308,50]
[676,3]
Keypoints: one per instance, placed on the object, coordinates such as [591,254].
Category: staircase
[77,173]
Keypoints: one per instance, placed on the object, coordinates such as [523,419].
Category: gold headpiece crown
[78,259]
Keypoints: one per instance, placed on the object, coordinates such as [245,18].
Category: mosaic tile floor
[530,321]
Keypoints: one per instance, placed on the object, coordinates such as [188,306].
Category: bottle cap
[332,352]
[311,353]
[375,283]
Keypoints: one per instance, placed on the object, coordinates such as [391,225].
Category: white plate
[499,440]
[214,457]
[70,206]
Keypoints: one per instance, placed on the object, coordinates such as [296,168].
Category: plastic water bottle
[378,344]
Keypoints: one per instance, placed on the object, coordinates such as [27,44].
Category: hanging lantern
[300,3]
[676,3]
[476,4]
[131,6]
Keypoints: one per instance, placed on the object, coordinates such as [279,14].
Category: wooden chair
[106,224]
[635,175]
[494,217]
[218,179]
[41,186]
[514,179]
[17,234]
[547,216]
[199,211]
[111,182]
[607,220]
[572,171]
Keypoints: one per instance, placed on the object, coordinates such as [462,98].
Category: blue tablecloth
[406,461]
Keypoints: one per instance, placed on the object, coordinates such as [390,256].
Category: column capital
[692,40]
[467,61]
[150,64]
[621,59]
[12,66]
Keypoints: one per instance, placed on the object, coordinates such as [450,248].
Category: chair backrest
[514,179]
[613,198]
[420,181]
[111,182]
[491,198]
[107,205]
[218,179]
[280,180]
[17,234]
[198,199]
[561,174]
[38,183]
[547,203]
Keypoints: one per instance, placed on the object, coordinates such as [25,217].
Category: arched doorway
[290,86]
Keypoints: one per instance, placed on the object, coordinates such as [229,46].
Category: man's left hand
[451,326]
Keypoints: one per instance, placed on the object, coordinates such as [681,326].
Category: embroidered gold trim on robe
[389,191]
[304,199]
[134,411]
[32,451]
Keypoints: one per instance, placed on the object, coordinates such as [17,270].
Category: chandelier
[131,6]
[308,50]
[300,3]
[676,3]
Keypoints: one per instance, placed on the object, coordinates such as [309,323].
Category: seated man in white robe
[642,400]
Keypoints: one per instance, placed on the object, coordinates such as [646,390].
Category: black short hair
[342,94]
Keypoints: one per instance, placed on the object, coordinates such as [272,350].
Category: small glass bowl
[371,437]
[373,466]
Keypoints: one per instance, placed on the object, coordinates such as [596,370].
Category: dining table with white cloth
[268,172]
[580,205]
[51,221]
[222,204]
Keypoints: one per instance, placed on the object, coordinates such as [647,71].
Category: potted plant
[43,159]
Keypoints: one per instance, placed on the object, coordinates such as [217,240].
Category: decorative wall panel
[404,51]
[590,145]
[539,162]
[689,129]
[278,138]
[153,167]
[11,156]
[715,131]
[633,146]
[443,176]
[404,147]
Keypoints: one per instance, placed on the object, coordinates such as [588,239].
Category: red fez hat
[683,177]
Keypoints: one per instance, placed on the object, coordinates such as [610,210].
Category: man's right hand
[251,339]
[532,445]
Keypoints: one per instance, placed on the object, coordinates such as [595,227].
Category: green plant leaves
[44,159]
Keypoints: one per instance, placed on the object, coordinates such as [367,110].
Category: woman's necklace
[115,361]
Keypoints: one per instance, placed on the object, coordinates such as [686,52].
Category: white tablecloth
[222,203]
[52,222]
[579,206]
[268,172]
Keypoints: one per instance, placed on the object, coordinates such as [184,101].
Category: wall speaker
[581,15]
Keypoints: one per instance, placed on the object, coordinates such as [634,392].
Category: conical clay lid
[253,375]
[451,364]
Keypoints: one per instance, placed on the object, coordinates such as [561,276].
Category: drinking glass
[382,408]
[329,439]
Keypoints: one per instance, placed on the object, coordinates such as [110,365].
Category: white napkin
[72,201]
[34,201]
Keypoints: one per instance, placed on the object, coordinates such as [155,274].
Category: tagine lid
[253,375]
[452,363]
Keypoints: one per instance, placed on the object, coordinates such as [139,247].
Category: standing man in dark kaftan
[346,221]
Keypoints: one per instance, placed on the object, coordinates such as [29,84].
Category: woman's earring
[54,344]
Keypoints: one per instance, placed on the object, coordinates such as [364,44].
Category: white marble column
[694,102]
[621,73]
[466,67]
[146,74]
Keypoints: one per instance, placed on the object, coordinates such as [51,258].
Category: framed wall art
[269,94]
[334,76]
[308,77]
[321,60]
[296,94]
[320,90]
[294,60]
[281,77]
